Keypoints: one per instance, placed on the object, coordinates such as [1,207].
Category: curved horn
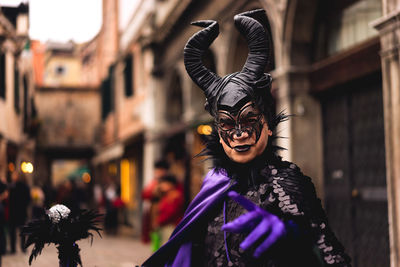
[194,50]
[258,42]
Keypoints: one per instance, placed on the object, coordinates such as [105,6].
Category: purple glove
[260,224]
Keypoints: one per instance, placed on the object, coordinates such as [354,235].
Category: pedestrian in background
[149,194]
[19,200]
[111,198]
[37,196]
[50,194]
[170,206]
[67,194]
[3,195]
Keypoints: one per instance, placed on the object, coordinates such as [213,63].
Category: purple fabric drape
[178,250]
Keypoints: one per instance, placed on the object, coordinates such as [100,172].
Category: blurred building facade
[124,80]
[62,65]
[18,122]
[332,70]
[68,108]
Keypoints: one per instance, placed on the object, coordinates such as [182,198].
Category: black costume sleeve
[298,199]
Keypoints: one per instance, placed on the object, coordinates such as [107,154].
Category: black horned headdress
[251,83]
[231,92]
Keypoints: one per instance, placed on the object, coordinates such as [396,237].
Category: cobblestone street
[108,251]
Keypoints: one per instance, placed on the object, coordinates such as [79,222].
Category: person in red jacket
[151,199]
[170,206]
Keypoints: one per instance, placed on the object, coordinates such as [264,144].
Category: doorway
[354,169]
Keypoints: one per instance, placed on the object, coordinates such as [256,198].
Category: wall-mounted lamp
[26,167]
[204,129]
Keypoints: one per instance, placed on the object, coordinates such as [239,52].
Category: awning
[109,153]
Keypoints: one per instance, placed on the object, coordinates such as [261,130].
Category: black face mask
[247,120]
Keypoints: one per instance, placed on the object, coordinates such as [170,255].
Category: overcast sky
[62,20]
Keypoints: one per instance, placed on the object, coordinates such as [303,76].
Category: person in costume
[253,209]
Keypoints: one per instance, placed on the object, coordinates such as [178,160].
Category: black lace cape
[296,200]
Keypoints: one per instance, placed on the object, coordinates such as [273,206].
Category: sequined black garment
[286,192]
[216,252]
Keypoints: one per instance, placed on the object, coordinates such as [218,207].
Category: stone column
[152,115]
[389,30]
[303,132]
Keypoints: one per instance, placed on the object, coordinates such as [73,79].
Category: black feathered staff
[62,228]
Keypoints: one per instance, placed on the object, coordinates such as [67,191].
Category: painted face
[244,136]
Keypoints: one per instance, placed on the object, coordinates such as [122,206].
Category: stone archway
[298,32]
[304,130]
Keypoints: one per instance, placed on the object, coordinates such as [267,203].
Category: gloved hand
[260,223]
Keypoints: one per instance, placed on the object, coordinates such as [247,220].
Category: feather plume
[64,234]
